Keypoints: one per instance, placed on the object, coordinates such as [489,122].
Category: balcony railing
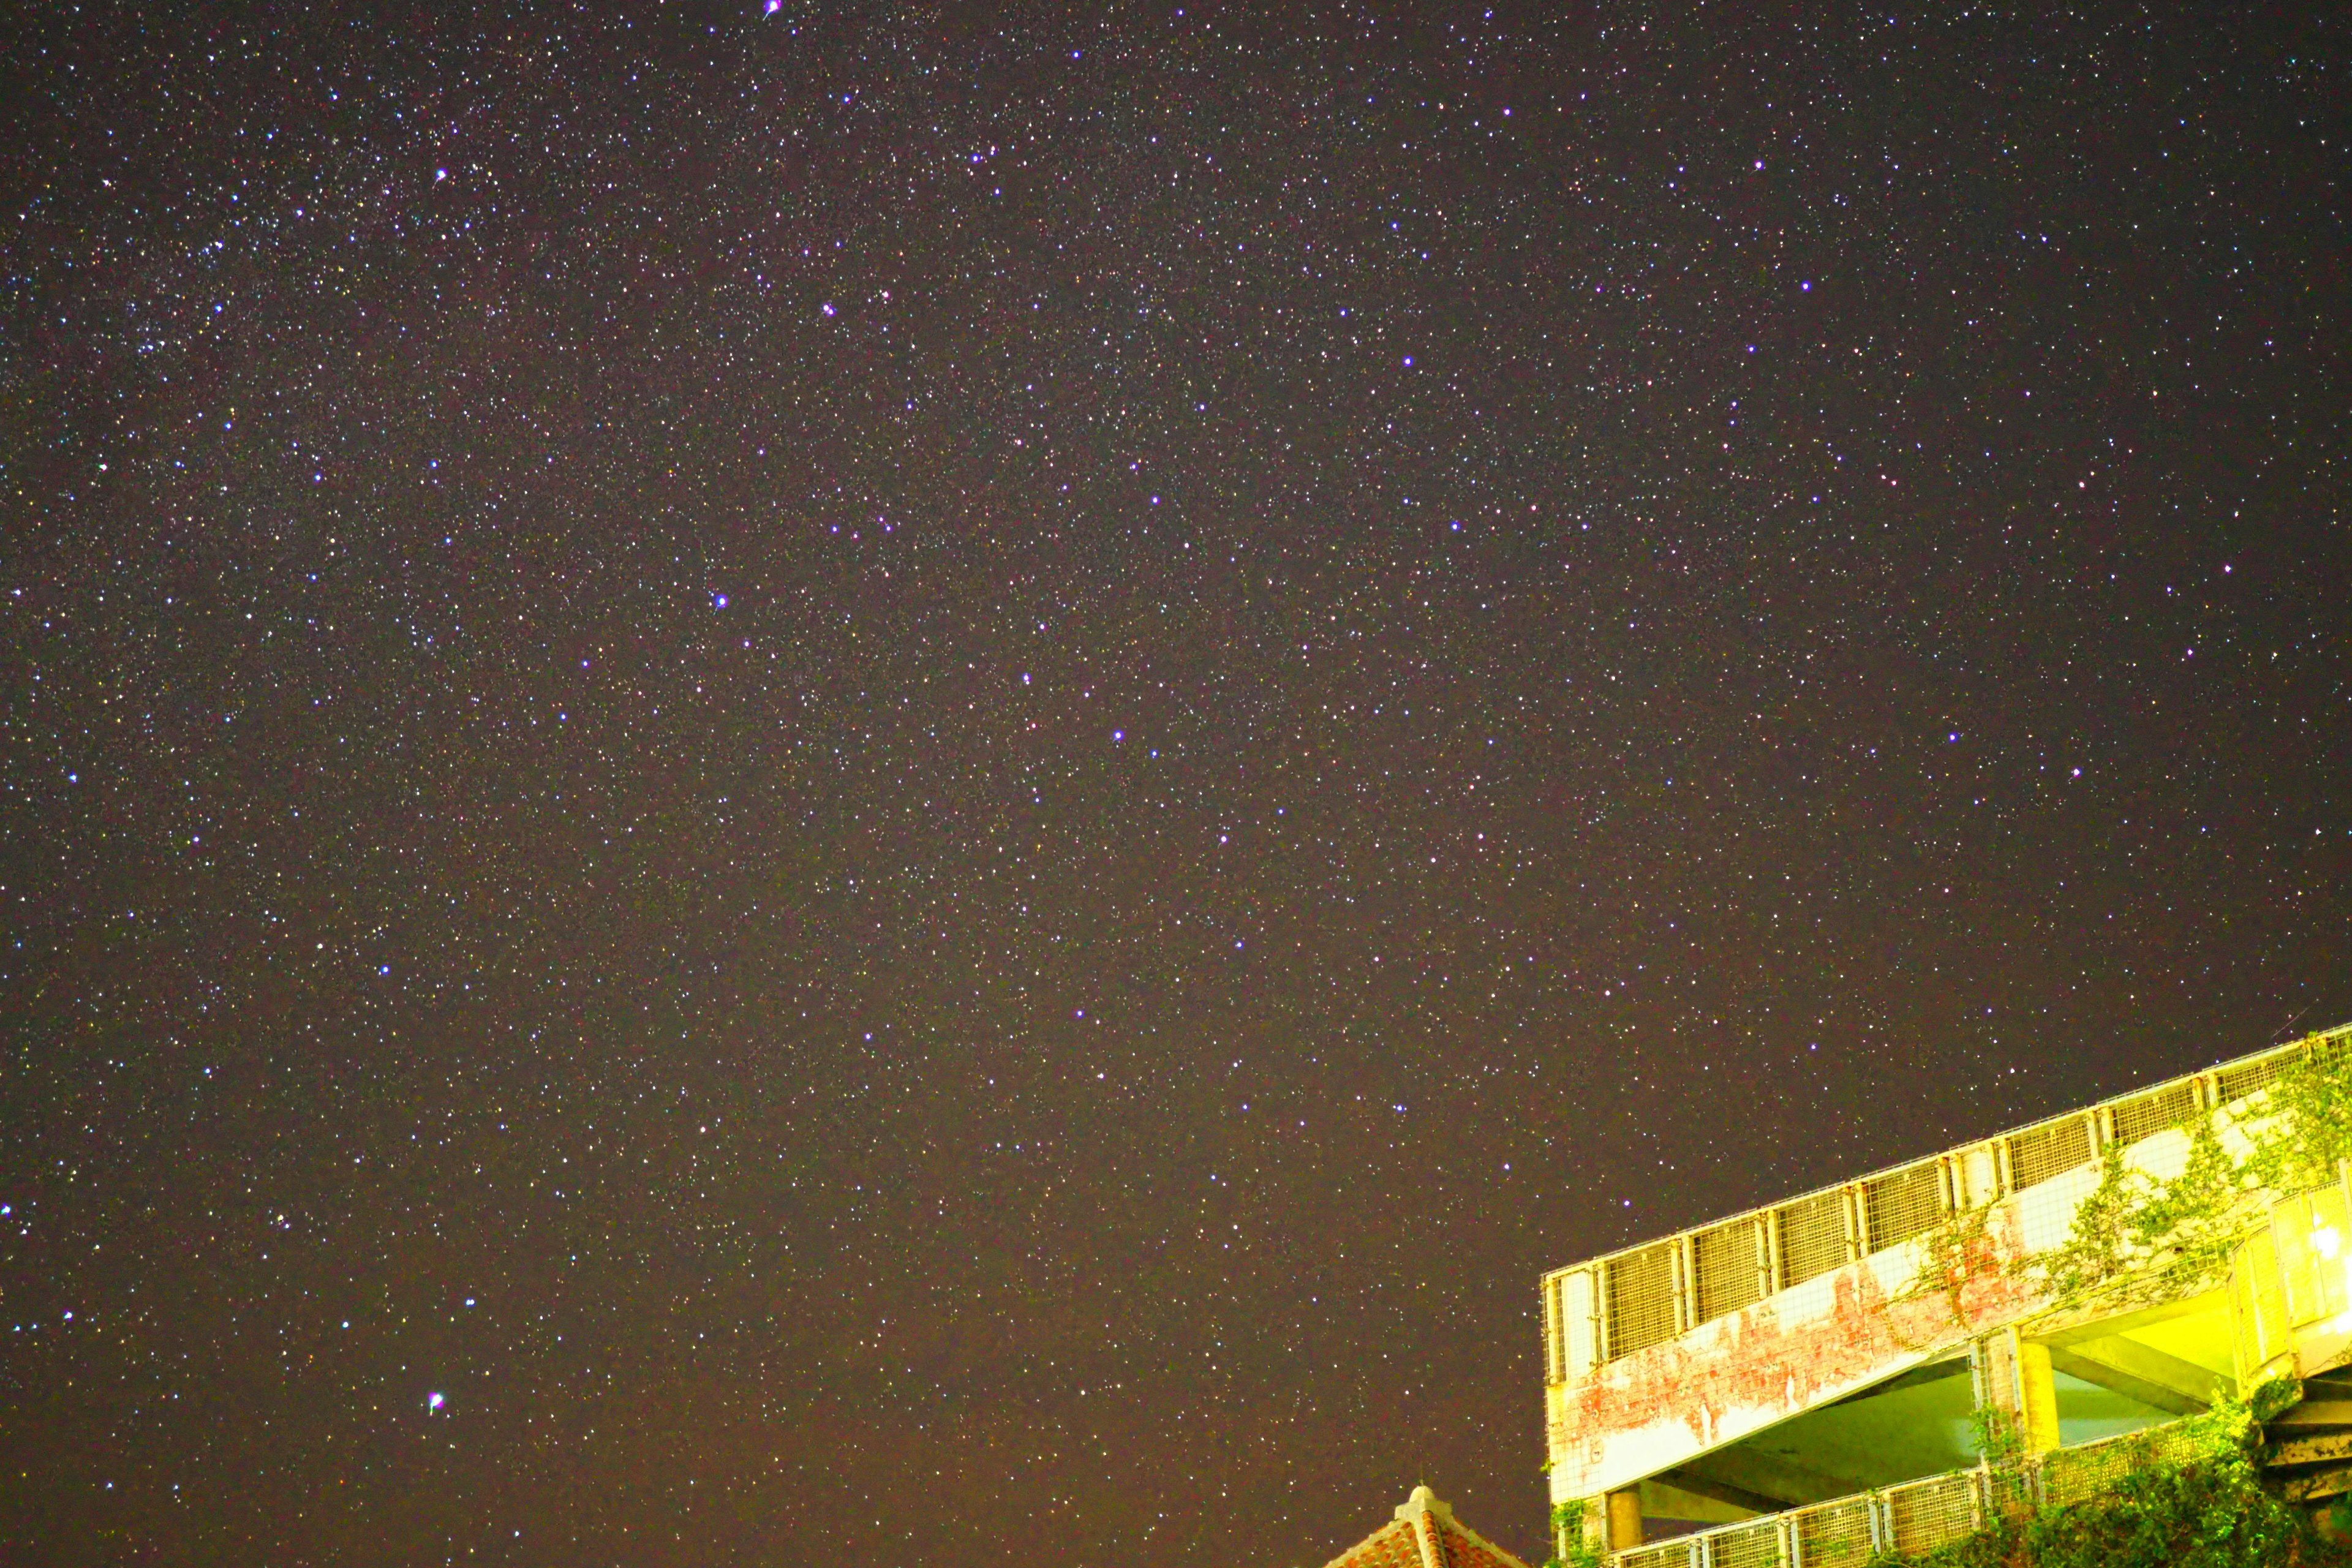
[1919,1516]
[1610,1307]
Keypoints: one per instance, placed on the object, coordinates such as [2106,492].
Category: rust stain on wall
[1755,1363]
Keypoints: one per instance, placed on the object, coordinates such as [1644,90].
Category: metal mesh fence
[1755,1545]
[1725,1262]
[2077,1475]
[1832,1534]
[1555,1336]
[1927,1514]
[2251,1078]
[1899,1207]
[1640,1298]
[1812,1236]
[1920,1516]
[2174,1105]
[2050,1150]
[2172,1444]
[2009,1491]
[2327,1049]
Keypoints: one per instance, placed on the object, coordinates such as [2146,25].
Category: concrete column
[2037,1398]
[1624,1519]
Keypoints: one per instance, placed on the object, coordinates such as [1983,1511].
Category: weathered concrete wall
[1837,1334]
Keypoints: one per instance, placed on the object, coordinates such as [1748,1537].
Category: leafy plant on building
[2310,1135]
[1999,1439]
[1571,1546]
[2200,1506]
[2136,1239]
[1953,1255]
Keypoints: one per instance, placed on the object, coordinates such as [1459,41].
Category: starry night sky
[945,779]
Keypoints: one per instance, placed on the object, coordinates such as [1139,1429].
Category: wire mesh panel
[1555,1334]
[1640,1298]
[2175,1443]
[1682,1553]
[1900,1205]
[2252,1077]
[1812,1236]
[2159,1110]
[1925,1515]
[2009,1491]
[2079,1474]
[1832,1534]
[1755,1545]
[2050,1150]
[1725,1260]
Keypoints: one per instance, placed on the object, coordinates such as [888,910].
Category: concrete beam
[2149,1376]
[2126,1322]
[1683,1478]
[1786,1483]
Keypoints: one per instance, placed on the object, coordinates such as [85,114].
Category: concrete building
[1823,1377]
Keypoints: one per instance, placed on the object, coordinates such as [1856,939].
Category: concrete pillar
[1624,1519]
[2037,1398]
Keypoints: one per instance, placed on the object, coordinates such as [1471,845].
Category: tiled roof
[1424,1534]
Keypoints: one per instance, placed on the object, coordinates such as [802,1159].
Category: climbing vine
[1958,1249]
[1571,1549]
[2136,1238]
[2310,1134]
[2204,1509]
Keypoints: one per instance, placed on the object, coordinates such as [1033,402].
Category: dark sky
[934,784]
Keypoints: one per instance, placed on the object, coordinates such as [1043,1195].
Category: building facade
[1865,1367]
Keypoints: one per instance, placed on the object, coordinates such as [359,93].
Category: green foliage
[2096,1251]
[2137,1237]
[2311,1130]
[2274,1396]
[1572,1550]
[2195,1217]
[1999,1440]
[1956,1251]
[2204,1509]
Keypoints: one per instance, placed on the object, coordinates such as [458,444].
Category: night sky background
[934,784]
